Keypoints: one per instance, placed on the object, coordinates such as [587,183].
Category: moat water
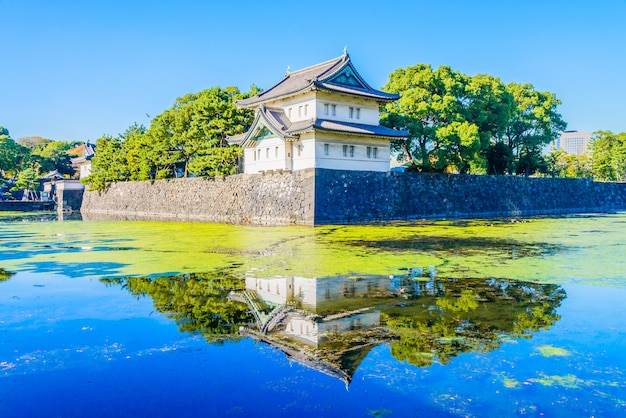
[520,317]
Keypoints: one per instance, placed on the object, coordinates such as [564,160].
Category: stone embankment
[273,199]
[318,196]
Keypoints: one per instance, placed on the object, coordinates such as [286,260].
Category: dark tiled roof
[276,120]
[320,76]
[358,129]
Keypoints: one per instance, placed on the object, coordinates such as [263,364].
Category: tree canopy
[189,139]
[469,123]
[609,156]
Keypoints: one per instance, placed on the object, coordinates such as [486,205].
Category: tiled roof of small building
[337,74]
[276,120]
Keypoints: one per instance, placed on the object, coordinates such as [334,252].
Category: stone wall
[356,197]
[319,196]
[270,199]
[25,206]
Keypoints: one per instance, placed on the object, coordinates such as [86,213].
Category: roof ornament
[288,71]
[345,50]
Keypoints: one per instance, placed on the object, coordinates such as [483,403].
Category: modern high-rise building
[573,142]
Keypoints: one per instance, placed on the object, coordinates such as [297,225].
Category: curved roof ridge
[311,67]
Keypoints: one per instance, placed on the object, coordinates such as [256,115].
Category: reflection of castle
[319,322]
[331,323]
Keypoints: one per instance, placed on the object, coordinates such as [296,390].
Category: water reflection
[5,275]
[331,323]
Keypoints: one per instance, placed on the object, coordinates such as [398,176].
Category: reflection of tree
[424,319]
[5,275]
[447,318]
[196,302]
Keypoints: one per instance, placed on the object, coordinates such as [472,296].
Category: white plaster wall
[335,160]
[274,290]
[303,329]
[303,152]
[294,103]
[305,290]
[369,114]
[268,160]
[85,170]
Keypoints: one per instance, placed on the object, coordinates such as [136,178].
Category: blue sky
[76,70]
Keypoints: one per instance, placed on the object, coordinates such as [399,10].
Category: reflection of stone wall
[280,198]
[350,197]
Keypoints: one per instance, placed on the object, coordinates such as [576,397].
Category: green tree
[195,130]
[428,103]
[534,123]
[13,156]
[27,180]
[109,165]
[609,156]
[499,157]
[452,118]
[53,155]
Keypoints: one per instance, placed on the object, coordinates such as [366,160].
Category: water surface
[480,318]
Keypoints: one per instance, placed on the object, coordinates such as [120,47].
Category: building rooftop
[277,122]
[336,75]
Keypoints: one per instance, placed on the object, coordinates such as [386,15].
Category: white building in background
[573,142]
[323,116]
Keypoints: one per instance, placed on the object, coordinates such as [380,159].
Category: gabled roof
[275,120]
[336,75]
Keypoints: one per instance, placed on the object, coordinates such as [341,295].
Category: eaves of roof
[319,76]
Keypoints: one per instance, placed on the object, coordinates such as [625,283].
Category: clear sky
[76,70]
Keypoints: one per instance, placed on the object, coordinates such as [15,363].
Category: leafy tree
[196,127]
[53,155]
[34,142]
[12,155]
[499,157]
[534,123]
[109,166]
[609,156]
[531,161]
[189,138]
[27,180]
[428,103]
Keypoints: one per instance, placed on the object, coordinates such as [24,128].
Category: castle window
[358,113]
[276,152]
[306,109]
[299,149]
[267,153]
[289,112]
[375,152]
[326,108]
[259,154]
[351,150]
[351,112]
[326,149]
[254,155]
[345,150]
[369,152]
[333,110]
[299,110]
